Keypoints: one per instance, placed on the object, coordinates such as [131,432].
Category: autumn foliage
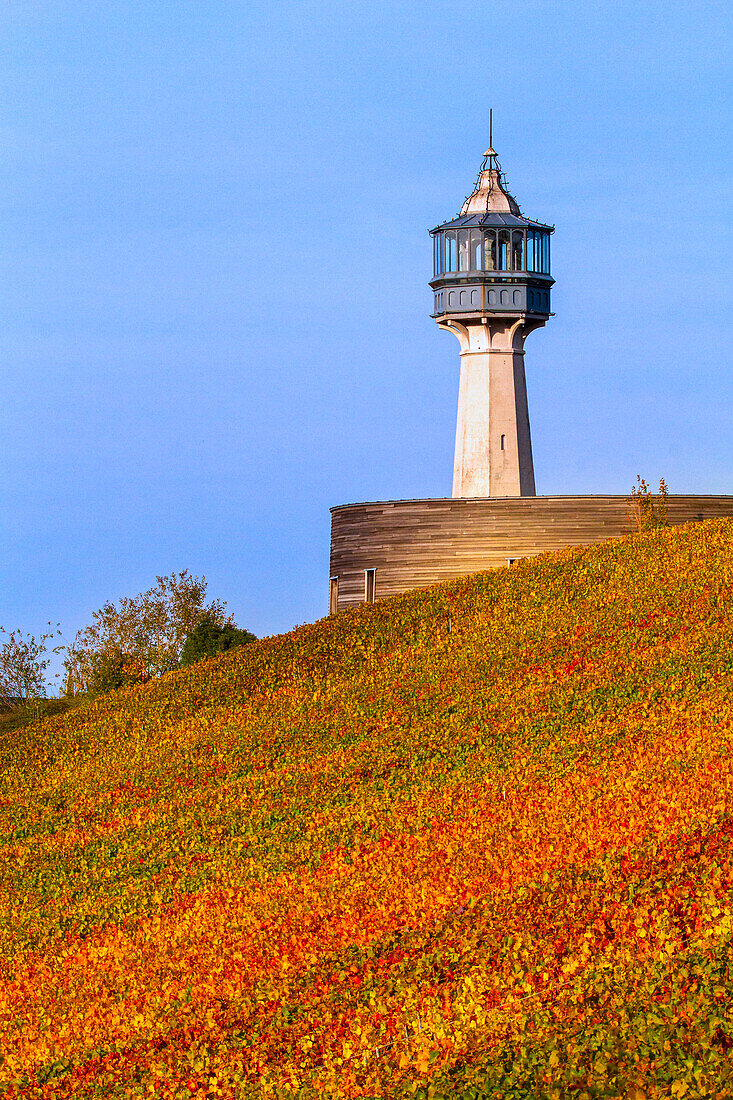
[475,841]
[142,636]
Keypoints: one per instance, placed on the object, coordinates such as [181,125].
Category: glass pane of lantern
[490,251]
[503,249]
[517,250]
[450,252]
[475,250]
[463,250]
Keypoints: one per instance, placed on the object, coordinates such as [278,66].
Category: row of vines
[476,841]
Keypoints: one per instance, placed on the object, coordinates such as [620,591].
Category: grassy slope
[485,828]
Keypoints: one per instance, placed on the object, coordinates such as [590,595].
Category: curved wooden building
[382,549]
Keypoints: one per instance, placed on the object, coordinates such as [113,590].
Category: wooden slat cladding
[416,543]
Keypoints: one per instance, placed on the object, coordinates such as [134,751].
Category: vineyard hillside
[474,841]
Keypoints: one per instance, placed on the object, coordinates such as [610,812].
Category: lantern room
[469,244]
[491,259]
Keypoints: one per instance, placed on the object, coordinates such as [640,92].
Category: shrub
[646,511]
[210,638]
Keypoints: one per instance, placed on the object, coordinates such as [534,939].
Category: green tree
[147,630]
[111,671]
[209,638]
[24,660]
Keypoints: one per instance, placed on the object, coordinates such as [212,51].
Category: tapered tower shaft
[493,455]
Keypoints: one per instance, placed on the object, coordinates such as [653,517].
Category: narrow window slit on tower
[333,596]
[503,443]
[370,585]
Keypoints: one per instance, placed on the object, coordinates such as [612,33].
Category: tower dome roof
[490,195]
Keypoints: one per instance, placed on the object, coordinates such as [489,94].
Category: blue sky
[215,318]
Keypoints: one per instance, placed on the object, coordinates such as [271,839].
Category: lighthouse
[491,285]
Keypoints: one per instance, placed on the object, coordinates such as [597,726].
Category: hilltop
[473,841]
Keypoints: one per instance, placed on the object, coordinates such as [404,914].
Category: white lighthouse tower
[492,287]
[492,283]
